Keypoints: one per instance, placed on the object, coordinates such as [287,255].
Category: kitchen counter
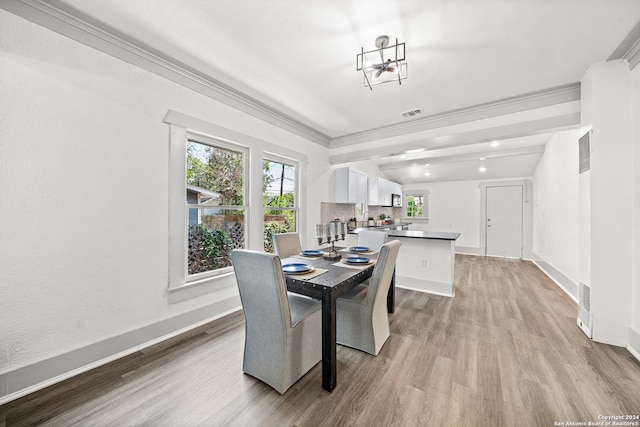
[437,235]
[386,227]
[426,261]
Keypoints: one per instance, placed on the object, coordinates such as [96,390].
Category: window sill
[201,287]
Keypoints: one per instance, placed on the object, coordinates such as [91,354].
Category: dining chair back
[361,316]
[372,239]
[283,331]
[286,244]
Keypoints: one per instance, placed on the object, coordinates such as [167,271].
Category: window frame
[179,210]
[179,124]
[229,146]
[270,157]
[425,204]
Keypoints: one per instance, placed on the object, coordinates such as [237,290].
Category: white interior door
[504,221]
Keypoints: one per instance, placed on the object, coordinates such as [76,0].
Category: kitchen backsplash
[344,211]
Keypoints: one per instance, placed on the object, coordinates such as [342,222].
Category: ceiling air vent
[585,152]
[412,113]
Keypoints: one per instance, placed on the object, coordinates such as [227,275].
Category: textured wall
[453,206]
[84,192]
[635,308]
[555,204]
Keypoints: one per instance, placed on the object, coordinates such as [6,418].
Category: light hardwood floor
[505,351]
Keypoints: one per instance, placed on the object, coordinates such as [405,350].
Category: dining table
[336,277]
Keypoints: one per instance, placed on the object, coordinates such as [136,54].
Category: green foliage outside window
[415,206]
[278,193]
[220,172]
[216,169]
[209,249]
[271,228]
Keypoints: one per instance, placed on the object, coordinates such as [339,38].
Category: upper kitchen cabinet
[380,191]
[351,186]
[396,190]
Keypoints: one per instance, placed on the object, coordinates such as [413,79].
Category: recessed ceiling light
[495,143]
[482,169]
[426,164]
[483,158]
[427,174]
[403,156]
[415,150]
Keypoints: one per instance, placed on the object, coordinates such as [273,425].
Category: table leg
[391,295]
[328,341]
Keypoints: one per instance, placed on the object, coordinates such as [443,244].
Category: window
[416,204]
[215,203]
[211,193]
[279,200]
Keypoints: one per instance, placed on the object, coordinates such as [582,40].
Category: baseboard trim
[467,250]
[634,342]
[427,286]
[567,285]
[36,376]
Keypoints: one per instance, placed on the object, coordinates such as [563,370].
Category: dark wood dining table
[327,287]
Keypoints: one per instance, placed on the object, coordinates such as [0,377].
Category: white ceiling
[470,62]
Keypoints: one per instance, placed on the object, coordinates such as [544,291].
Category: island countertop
[437,235]
[415,234]
[426,261]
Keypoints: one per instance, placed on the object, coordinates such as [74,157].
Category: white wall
[555,204]
[607,107]
[635,297]
[455,207]
[84,196]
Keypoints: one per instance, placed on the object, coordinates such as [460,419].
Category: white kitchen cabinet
[380,191]
[361,187]
[397,189]
[384,192]
[373,192]
[351,186]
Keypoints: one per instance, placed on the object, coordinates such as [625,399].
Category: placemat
[357,267]
[313,258]
[346,250]
[307,276]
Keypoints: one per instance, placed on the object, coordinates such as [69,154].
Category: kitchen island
[426,261]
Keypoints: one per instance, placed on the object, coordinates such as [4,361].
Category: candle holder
[330,233]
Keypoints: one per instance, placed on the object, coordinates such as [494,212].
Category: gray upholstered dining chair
[372,239]
[361,316]
[283,331]
[286,244]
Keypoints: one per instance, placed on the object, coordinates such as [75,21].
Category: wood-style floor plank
[505,351]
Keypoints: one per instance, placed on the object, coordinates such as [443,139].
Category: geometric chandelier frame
[384,64]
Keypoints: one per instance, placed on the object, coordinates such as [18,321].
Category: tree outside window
[215,202]
[278,200]
[415,206]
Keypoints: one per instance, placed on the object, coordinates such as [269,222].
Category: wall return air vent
[585,152]
[412,113]
[585,319]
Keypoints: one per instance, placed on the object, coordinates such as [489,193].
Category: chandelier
[384,64]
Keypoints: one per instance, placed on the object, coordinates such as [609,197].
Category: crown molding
[72,23]
[539,99]
[629,48]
